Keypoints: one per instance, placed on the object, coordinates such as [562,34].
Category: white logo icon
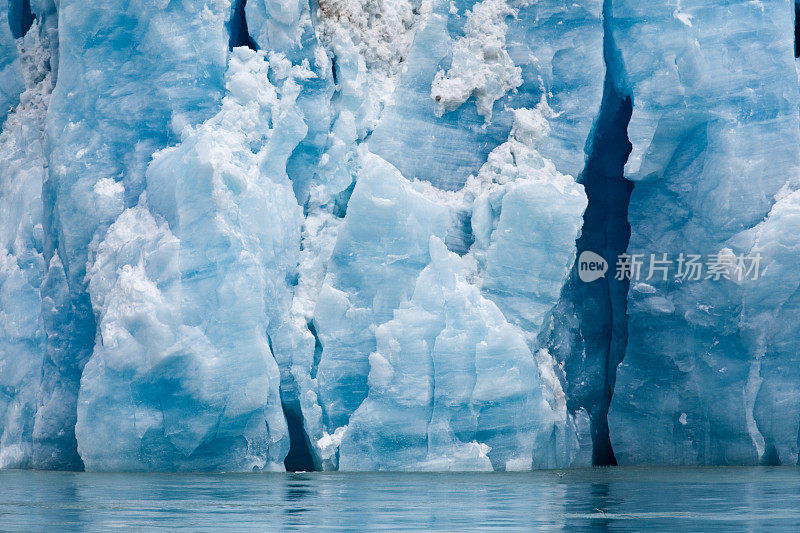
[591,267]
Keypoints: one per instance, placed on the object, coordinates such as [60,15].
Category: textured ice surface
[286,29]
[183,376]
[131,77]
[715,132]
[487,58]
[339,234]
[370,273]
[380,249]
[453,382]
[374,318]
[525,218]
[11,82]
[22,338]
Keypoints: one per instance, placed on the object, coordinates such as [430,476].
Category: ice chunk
[525,221]
[380,249]
[132,75]
[452,385]
[190,291]
[480,67]
[378,314]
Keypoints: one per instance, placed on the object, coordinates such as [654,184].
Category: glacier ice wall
[182,375]
[369,274]
[340,234]
[131,77]
[707,378]
[22,172]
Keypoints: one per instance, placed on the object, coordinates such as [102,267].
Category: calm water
[722,499]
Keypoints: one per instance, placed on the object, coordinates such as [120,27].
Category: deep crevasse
[589,324]
[367,227]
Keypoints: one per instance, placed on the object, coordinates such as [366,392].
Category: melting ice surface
[332,235]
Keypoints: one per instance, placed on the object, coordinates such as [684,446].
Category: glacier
[706,373]
[347,234]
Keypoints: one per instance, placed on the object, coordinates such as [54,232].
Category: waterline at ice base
[398,235]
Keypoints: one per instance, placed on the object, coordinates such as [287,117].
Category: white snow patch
[329,443]
[683,17]
[481,65]
[644,288]
[108,187]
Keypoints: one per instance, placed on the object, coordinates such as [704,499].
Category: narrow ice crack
[599,337]
[239,34]
[797,28]
[750,393]
[317,349]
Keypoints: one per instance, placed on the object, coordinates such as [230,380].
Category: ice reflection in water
[698,499]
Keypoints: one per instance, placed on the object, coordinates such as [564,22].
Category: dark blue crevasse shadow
[593,344]
[20,17]
[240,35]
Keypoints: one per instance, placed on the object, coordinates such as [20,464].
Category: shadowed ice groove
[590,323]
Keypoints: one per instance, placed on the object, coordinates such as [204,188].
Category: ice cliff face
[709,371]
[187,302]
[22,167]
[340,234]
